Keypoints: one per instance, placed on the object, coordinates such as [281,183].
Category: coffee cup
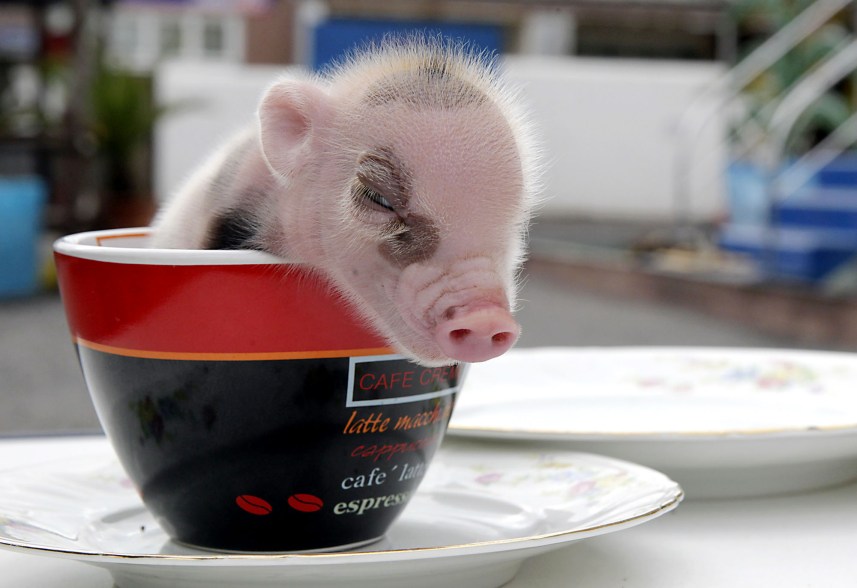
[252,410]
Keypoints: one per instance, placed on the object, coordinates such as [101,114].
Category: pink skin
[464,308]
[452,182]
[454,305]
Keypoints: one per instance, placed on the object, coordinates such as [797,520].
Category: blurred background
[701,186]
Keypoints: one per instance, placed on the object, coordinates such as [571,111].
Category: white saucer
[721,422]
[481,511]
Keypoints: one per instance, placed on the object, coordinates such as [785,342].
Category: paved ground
[41,388]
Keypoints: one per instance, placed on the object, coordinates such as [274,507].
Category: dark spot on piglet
[417,242]
[231,229]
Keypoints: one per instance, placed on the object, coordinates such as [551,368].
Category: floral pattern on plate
[723,422]
[495,505]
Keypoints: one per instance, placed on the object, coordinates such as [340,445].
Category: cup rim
[90,245]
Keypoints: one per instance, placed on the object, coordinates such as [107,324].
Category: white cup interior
[131,246]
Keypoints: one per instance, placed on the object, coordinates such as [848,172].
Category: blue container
[22,202]
[804,255]
[336,37]
[824,210]
[839,173]
[748,199]
[747,187]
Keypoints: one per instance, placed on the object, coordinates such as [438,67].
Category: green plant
[123,117]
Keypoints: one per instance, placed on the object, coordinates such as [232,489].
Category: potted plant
[123,117]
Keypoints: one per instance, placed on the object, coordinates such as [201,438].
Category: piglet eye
[373,199]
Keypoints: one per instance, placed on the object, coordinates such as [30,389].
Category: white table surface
[805,540]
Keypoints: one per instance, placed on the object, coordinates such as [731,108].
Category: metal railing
[722,93]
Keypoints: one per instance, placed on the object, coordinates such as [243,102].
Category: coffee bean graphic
[254,504]
[305,502]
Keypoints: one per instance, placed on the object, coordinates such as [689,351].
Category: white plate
[721,422]
[480,512]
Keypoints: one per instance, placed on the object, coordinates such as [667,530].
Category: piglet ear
[290,116]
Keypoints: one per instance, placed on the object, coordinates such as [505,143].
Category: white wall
[215,100]
[608,128]
[609,135]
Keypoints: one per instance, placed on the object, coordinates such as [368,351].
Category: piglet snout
[477,335]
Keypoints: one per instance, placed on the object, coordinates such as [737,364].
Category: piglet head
[408,186]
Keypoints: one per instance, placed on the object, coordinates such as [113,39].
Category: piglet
[405,176]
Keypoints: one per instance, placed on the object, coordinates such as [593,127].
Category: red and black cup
[250,408]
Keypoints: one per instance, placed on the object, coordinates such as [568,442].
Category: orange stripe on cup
[141,353]
[102,238]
